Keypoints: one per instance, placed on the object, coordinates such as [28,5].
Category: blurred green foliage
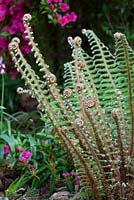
[46,165]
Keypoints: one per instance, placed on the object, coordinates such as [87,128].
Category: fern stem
[91,179]
[130,97]
[59,102]
[34,84]
[122,157]
[100,46]
[29,35]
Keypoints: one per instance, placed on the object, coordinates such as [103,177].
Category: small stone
[63,195]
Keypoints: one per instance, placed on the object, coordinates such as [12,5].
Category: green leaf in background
[13,186]
[31,141]
[10,140]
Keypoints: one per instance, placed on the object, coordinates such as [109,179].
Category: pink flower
[49,1]
[18,16]
[63,20]
[78,181]
[34,166]
[55,16]
[52,7]
[65,174]
[57,1]
[3,11]
[71,173]
[15,27]
[54,1]
[6,149]
[3,71]
[3,43]
[16,9]
[26,154]
[19,149]
[1,52]
[68,174]
[23,159]
[64,7]
[8,2]
[25,48]
[71,17]
[13,72]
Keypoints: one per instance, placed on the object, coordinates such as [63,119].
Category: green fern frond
[94,117]
[125,64]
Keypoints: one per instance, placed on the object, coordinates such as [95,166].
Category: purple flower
[23,159]
[3,43]
[25,48]
[57,1]
[15,27]
[13,72]
[16,9]
[3,71]
[26,154]
[70,174]
[63,20]
[34,166]
[55,16]
[3,11]
[78,181]
[49,1]
[19,149]
[67,18]
[8,2]
[51,6]
[18,16]
[65,174]
[64,7]
[71,17]
[6,149]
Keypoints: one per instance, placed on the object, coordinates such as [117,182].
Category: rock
[63,195]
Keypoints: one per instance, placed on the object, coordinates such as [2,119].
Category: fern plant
[94,116]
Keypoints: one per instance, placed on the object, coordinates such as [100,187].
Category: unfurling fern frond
[94,117]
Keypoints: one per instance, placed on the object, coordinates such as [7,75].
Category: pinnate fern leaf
[94,117]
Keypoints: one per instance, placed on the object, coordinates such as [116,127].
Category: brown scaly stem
[79,86]
[40,61]
[122,158]
[43,102]
[105,132]
[91,179]
[84,143]
[130,96]
[59,101]
[44,67]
